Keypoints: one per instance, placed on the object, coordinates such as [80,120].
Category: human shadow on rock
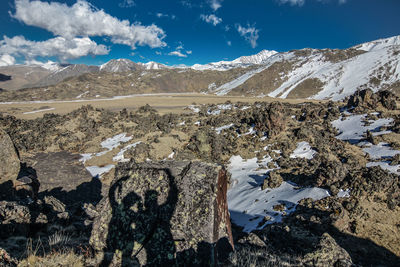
[141,229]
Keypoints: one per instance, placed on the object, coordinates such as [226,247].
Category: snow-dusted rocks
[303,150]
[252,207]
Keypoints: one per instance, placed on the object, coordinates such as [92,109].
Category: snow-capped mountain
[119,65]
[255,59]
[323,74]
[243,61]
[305,73]
[153,66]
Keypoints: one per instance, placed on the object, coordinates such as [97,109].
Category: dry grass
[254,257]
[55,259]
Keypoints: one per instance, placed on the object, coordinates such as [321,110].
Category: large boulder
[164,213]
[10,164]
[370,100]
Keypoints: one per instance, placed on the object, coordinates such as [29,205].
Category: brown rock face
[164,213]
[10,164]
[367,99]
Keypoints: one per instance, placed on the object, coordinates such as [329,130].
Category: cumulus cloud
[126,4]
[250,34]
[83,20]
[212,19]
[215,4]
[177,53]
[59,47]
[6,60]
[229,43]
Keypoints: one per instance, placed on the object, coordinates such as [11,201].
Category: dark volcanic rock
[164,213]
[4,77]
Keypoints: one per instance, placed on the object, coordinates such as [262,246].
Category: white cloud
[250,34]
[215,4]
[212,19]
[177,53]
[301,2]
[229,43]
[162,15]
[59,47]
[293,2]
[189,52]
[6,60]
[82,19]
[158,53]
[126,4]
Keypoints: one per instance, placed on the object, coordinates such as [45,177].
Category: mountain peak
[119,65]
[379,44]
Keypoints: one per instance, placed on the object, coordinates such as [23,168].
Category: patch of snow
[212,86]
[197,123]
[303,150]
[343,193]
[181,123]
[194,108]
[220,129]
[353,128]
[115,141]
[86,157]
[171,156]
[40,110]
[84,93]
[226,88]
[380,151]
[385,166]
[120,156]
[96,171]
[219,108]
[249,204]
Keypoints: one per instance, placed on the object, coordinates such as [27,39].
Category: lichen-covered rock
[328,253]
[368,99]
[14,219]
[10,164]
[164,213]
[273,181]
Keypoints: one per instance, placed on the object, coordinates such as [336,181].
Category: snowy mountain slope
[374,65]
[255,59]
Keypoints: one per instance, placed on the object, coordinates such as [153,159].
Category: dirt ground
[163,103]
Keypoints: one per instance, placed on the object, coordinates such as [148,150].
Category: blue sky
[185,32]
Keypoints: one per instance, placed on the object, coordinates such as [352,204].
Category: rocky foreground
[312,184]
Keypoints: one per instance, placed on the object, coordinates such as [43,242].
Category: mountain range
[305,73]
